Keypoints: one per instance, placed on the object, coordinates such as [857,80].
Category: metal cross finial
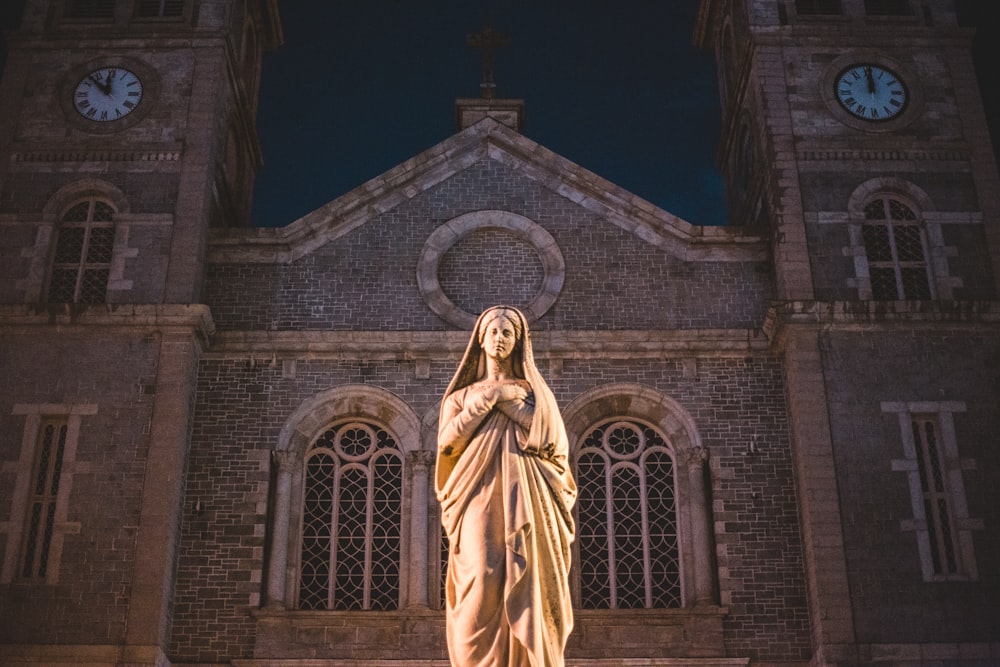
[487,40]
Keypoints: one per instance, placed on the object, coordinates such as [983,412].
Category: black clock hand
[103,88]
[871,80]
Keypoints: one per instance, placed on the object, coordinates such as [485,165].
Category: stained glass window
[627,519]
[351,520]
[82,262]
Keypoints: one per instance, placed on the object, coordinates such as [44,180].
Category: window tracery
[896,249]
[627,510]
[350,544]
[84,248]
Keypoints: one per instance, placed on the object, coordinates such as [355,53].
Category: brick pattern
[90,601]
[733,401]
[490,267]
[367,279]
[889,595]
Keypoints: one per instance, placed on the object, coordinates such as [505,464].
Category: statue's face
[499,338]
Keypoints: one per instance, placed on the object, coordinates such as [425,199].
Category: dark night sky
[616,86]
[362,85]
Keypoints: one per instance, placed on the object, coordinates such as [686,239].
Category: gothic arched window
[627,519]
[896,250]
[350,545]
[82,261]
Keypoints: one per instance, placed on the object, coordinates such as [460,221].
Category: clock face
[107,94]
[871,92]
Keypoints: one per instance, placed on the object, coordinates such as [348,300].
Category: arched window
[627,514]
[351,516]
[82,261]
[896,250]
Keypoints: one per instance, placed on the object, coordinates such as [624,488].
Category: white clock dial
[107,94]
[871,92]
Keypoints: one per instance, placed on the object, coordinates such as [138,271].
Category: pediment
[486,140]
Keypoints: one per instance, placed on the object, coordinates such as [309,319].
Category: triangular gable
[486,139]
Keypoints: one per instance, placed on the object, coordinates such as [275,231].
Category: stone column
[278,570]
[156,542]
[694,460]
[419,463]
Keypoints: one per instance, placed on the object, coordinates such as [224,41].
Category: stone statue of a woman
[507,494]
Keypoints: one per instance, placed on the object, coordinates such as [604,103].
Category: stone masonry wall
[89,603]
[367,279]
[240,410]
[864,369]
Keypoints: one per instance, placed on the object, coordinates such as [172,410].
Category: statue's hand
[510,392]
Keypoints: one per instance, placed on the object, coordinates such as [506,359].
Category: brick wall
[241,409]
[892,604]
[89,603]
[367,279]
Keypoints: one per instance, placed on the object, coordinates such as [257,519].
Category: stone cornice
[24,319]
[868,315]
[95,155]
[409,345]
[485,139]
[956,155]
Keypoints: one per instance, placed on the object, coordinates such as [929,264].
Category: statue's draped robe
[508,517]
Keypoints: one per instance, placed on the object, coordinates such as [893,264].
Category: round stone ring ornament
[871,92]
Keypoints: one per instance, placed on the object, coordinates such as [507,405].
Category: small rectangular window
[940,523]
[888,8]
[40,523]
[91,9]
[159,8]
[933,470]
[806,7]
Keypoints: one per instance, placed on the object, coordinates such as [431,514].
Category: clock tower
[127,131]
[855,139]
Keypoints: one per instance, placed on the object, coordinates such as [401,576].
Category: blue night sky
[362,85]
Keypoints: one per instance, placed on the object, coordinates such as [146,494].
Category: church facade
[217,443]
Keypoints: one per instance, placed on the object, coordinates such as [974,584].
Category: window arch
[627,518]
[84,247]
[350,492]
[896,249]
[637,451]
[351,519]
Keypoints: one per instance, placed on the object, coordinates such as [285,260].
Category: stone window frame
[41,253]
[928,219]
[941,413]
[89,216]
[23,469]
[451,232]
[634,402]
[362,461]
[347,402]
[657,593]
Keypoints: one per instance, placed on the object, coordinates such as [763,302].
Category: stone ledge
[411,345]
[81,655]
[867,314]
[22,318]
